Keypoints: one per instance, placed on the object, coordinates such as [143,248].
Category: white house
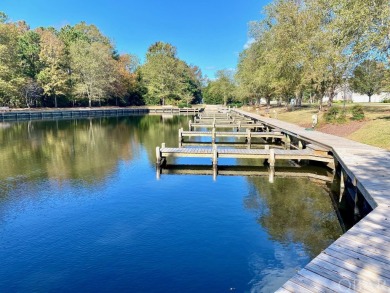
[346,93]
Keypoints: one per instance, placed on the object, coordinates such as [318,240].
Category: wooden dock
[359,261]
[248,134]
[162,153]
[216,124]
[228,117]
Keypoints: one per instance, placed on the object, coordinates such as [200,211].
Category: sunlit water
[81,210]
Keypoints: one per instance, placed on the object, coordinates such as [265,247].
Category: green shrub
[184,105]
[357,113]
[335,115]
[387,100]
[235,104]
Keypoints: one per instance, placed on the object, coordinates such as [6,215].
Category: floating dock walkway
[162,153]
[229,124]
[248,134]
[359,261]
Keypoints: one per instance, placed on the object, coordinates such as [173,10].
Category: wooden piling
[248,136]
[355,197]
[180,136]
[215,172]
[158,156]
[342,186]
[271,159]
[271,174]
[215,156]
[287,142]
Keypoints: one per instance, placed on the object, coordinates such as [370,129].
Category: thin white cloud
[249,43]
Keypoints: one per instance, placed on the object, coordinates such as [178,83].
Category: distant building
[346,93]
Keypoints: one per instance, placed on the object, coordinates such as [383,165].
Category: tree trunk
[90,102]
[268,101]
[320,98]
[27,103]
[369,99]
[298,100]
[55,101]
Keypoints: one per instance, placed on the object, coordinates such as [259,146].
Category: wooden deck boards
[232,134]
[359,261]
[226,125]
[274,154]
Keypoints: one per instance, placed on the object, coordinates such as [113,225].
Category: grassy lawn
[374,130]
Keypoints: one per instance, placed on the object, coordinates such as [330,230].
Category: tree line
[79,66]
[309,50]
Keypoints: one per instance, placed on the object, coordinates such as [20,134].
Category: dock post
[288,142]
[158,172]
[215,156]
[213,135]
[180,136]
[342,186]
[266,147]
[239,126]
[190,125]
[300,145]
[158,156]
[355,196]
[271,159]
[215,173]
[271,174]
[214,121]
[248,136]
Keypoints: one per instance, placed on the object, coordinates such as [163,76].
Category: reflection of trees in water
[295,210]
[154,130]
[86,149]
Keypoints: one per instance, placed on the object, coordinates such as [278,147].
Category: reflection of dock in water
[251,171]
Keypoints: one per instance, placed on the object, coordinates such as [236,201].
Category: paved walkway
[359,261]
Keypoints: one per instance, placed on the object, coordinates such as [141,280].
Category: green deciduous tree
[11,77]
[254,74]
[221,90]
[368,78]
[92,65]
[363,26]
[29,47]
[168,79]
[53,77]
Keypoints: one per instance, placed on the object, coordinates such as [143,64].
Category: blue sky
[207,33]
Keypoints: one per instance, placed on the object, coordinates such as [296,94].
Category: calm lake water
[81,210]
